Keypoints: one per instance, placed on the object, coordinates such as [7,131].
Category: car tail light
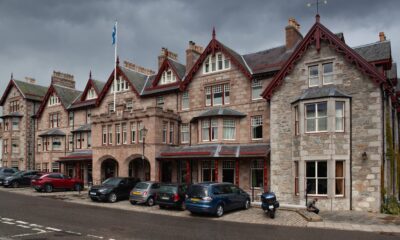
[145,193]
[208,199]
[176,197]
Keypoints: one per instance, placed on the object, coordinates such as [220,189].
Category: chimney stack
[138,68]
[30,80]
[63,79]
[166,54]
[192,54]
[293,34]
[382,37]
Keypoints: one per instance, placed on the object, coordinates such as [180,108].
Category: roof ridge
[269,49]
[74,89]
[175,61]
[129,69]
[370,44]
[33,84]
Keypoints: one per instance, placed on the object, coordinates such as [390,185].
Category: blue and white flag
[114,34]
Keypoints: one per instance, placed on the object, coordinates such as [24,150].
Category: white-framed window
[257,173]
[317,177]
[185,133]
[78,140]
[56,144]
[168,77]
[124,134]
[229,129]
[296,121]
[207,170]
[216,63]
[55,167]
[70,142]
[256,89]
[54,120]
[316,117]
[54,100]
[185,100]
[129,104]
[228,171]
[71,119]
[313,76]
[339,178]
[171,133]
[205,130]
[15,124]
[256,127]
[111,107]
[104,135]
[327,74]
[160,101]
[164,132]
[339,116]
[110,135]
[118,134]
[296,178]
[214,129]
[217,95]
[120,84]
[140,127]
[133,132]
[91,94]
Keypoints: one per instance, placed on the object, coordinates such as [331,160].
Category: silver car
[144,192]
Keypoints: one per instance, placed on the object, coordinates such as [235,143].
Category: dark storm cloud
[40,36]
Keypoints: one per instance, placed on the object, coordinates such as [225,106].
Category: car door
[26,178]
[121,188]
[154,189]
[236,196]
[66,181]
[228,197]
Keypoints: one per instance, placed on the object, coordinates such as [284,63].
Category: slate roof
[180,68]
[31,91]
[84,128]
[67,95]
[237,57]
[214,112]
[80,104]
[392,73]
[13,114]
[375,51]
[52,132]
[99,85]
[138,80]
[321,92]
[77,156]
[216,151]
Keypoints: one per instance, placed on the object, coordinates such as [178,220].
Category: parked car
[113,189]
[6,172]
[50,181]
[18,179]
[172,195]
[216,198]
[144,192]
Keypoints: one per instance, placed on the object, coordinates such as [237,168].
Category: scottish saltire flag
[114,34]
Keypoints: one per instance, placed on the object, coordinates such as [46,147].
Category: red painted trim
[188,171]
[263,153]
[216,170]
[87,88]
[227,153]
[7,91]
[265,175]
[237,166]
[50,91]
[213,46]
[163,67]
[109,82]
[89,157]
[184,153]
[319,32]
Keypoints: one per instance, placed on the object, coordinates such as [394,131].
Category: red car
[49,181]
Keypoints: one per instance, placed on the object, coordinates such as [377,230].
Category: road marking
[39,231]
[22,222]
[54,229]
[10,223]
[7,219]
[75,233]
[23,226]
[94,236]
[35,225]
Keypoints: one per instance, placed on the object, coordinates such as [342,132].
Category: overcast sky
[40,36]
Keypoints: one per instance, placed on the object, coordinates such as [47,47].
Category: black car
[172,195]
[20,179]
[6,172]
[113,189]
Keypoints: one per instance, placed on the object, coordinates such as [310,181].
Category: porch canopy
[84,155]
[53,133]
[83,128]
[216,151]
[219,112]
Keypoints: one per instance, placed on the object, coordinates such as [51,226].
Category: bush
[391,206]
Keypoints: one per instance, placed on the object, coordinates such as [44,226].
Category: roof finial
[117,60]
[317,18]
[213,33]
[12,76]
[90,74]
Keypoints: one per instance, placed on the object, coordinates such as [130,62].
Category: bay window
[185,133]
[214,129]
[316,117]
[104,135]
[205,130]
[118,134]
[15,124]
[339,116]
[171,133]
[228,171]
[229,129]
[164,132]
[56,144]
[133,132]
[110,135]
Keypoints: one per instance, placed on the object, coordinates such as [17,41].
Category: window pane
[311,187]
[310,110]
[257,176]
[322,169]
[322,109]
[311,125]
[313,71]
[322,186]
[339,188]
[339,169]
[310,169]
[323,124]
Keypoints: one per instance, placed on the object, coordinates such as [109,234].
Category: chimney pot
[193,52]
[138,68]
[293,34]
[63,79]
[382,37]
[165,53]
[30,80]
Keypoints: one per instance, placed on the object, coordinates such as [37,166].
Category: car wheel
[77,187]
[15,184]
[150,201]
[48,188]
[112,198]
[247,204]
[133,202]
[220,210]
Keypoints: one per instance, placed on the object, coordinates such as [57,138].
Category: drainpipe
[190,133]
[351,156]
[383,141]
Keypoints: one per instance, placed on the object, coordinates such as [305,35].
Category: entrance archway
[109,168]
[140,168]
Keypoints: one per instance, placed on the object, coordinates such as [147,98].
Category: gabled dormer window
[167,77]
[54,100]
[120,85]
[216,63]
[91,94]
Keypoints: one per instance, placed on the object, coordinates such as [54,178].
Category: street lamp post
[144,133]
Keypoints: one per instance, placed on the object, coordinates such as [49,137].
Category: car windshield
[168,189]
[18,173]
[198,191]
[112,181]
[142,185]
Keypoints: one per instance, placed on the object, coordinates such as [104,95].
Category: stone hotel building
[310,118]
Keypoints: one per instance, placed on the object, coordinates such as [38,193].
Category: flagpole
[115,63]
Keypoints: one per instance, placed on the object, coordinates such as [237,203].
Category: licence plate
[195,199]
[165,198]
[92,193]
[137,193]
[271,207]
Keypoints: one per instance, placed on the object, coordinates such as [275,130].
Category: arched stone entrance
[139,168]
[109,168]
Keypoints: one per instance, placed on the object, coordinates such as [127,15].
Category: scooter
[269,203]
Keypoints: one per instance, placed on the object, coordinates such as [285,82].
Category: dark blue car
[216,198]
